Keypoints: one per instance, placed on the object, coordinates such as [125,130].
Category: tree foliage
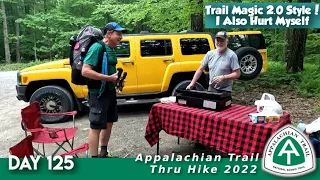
[45,26]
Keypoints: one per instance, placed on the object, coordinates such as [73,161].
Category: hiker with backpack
[99,68]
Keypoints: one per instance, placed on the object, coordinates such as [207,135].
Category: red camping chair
[43,135]
[25,149]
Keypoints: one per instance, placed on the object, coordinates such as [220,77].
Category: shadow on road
[136,109]
[191,147]
[129,109]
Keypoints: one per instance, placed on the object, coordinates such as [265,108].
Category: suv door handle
[168,60]
[128,62]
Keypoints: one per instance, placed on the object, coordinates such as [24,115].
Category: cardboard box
[264,117]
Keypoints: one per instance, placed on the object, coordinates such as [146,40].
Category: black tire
[250,61]
[183,85]
[60,99]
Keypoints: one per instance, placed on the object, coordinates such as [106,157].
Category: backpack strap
[103,60]
[101,56]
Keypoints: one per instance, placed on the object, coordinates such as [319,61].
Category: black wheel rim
[50,104]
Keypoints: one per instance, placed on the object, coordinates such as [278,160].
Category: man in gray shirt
[223,66]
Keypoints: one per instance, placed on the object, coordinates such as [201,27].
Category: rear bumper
[21,93]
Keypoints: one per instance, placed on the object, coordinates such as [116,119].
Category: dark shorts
[103,109]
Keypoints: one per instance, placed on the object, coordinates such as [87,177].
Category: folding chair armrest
[53,132]
[79,149]
[37,130]
[46,130]
[71,113]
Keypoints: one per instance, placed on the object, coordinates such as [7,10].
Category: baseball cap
[222,34]
[113,26]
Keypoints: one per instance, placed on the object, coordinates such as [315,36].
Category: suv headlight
[19,77]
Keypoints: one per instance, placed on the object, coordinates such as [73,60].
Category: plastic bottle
[79,65]
[82,54]
[301,126]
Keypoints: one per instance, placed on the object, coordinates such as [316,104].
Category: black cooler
[204,99]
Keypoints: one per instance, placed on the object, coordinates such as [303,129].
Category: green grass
[306,83]
[20,66]
[316,108]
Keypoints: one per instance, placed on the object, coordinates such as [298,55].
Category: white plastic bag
[313,127]
[267,103]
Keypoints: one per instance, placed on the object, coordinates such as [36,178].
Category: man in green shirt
[102,101]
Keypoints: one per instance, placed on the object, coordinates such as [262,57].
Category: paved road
[128,135]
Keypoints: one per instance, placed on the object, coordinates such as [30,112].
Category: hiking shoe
[106,156]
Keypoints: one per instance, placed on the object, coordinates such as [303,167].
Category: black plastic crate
[216,105]
[204,94]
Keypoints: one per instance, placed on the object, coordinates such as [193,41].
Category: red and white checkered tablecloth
[229,131]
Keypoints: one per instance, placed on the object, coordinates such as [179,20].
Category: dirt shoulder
[299,107]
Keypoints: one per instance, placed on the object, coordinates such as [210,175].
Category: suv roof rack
[187,31]
[144,32]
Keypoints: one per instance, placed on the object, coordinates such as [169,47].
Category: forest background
[38,31]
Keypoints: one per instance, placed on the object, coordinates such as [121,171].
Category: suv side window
[237,41]
[257,41]
[190,46]
[123,49]
[156,47]
[252,40]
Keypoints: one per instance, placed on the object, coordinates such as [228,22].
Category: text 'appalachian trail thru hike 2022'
[288,153]
[262,15]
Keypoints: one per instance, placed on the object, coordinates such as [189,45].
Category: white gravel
[127,138]
[10,129]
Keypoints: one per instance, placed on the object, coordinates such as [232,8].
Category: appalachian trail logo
[289,153]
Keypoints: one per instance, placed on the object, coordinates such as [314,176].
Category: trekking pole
[121,85]
[120,70]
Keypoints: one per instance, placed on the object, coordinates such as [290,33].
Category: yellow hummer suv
[157,64]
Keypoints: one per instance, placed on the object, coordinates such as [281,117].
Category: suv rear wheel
[250,61]
[53,99]
[183,85]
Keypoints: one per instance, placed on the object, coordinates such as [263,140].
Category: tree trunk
[287,40]
[45,6]
[197,19]
[197,22]
[138,27]
[35,46]
[297,48]
[18,43]
[34,38]
[26,7]
[5,34]
[288,35]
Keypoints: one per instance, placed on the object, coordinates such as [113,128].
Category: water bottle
[301,126]
[82,54]
[79,65]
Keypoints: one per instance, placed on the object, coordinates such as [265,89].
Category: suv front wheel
[250,61]
[53,99]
